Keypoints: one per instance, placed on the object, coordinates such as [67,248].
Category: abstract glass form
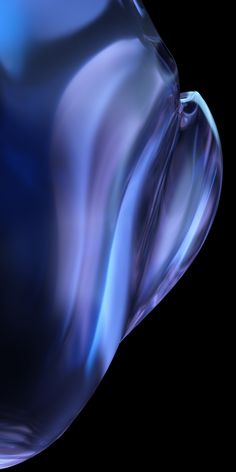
[109,183]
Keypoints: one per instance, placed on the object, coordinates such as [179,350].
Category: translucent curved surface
[109,183]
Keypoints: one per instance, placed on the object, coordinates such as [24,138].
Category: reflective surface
[109,182]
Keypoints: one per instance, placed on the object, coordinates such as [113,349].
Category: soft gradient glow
[109,183]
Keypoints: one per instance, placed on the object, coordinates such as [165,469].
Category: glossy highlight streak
[108,250]
[110,179]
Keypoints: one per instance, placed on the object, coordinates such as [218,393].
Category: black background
[161,399]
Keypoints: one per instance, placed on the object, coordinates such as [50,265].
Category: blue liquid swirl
[109,183]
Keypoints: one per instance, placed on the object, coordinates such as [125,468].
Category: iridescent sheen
[109,183]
